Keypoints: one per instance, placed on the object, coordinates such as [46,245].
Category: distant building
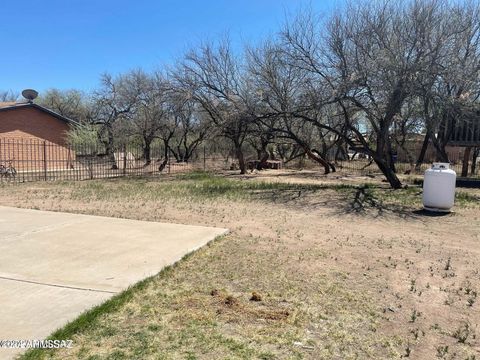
[31,121]
[31,135]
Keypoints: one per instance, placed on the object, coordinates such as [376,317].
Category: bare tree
[450,87]
[8,96]
[72,104]
[369,60]
[193,128]
[115,100]
[379,55]
[286,93]
[407,125]
[150,111]
[170,124]
[215,78]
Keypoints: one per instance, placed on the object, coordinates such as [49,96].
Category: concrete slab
[54,265]
[33,311]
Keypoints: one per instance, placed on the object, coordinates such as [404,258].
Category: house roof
[7,103]
[12,105]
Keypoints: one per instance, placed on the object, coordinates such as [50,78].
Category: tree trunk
[271,154]
[389,173]
[263,164]
[423,151]
[163,164]
[390,159]
[473,168]
[147,151]
[263,156]
[165,157]
[176,155]
[109,149]
[440,153]
[190,150]
[241,159]
[259,153]
[340,153]
[466,157]
[317,158]
[330,165]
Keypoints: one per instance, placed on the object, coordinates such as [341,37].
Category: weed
[415,315]
[408,351]
[412,285]
[463,333]
[442,351]
[416,333]
[465,198]
[448,265]
[449,300]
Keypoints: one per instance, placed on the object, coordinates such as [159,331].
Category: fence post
[168,161]
[45,160]
[204,159]
[125,159]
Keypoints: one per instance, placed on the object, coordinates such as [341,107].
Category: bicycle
[8,171]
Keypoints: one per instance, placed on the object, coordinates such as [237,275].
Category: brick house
[33,137]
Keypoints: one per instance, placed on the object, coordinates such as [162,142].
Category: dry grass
[340,270]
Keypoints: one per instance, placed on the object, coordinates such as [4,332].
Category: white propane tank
[439,188]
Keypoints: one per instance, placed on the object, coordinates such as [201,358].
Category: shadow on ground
[357,200]
[423,212]
[364,201]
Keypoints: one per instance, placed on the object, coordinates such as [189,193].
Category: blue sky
[69,43]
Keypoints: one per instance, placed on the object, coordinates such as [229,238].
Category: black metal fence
[23,160]
[364,166]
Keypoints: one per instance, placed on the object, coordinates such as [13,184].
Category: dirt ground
[338,271]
